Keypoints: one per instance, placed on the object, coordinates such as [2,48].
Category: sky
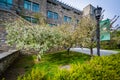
[112,7]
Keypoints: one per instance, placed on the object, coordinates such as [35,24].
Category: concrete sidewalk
[87,51]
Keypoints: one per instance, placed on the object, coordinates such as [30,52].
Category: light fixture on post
[97,12]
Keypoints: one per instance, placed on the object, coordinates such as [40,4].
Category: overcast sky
[112,7]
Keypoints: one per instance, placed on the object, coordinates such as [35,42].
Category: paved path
[87,51]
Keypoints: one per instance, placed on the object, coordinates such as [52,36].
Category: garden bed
[49,63]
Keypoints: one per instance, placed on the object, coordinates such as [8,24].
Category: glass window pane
[35,7]
[65,18]
[55,16]
[3,3]
[51,25]
[68,19]
[31,19]
[34,20]
[9,1]
[27,5]
[28,18]
[7,4]
[50,14]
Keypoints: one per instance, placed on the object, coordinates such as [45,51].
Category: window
[9,1]
[52,15]
[27,5]
[6,3]
[28,18]
[67,19]
[55,16]
[51,25]
[77,21]
[31,6]
[34,20]
[31,19]
[35,7]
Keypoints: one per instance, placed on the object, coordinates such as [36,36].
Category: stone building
[54,11]
[89,11]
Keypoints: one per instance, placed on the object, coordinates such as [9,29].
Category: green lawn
[50,62]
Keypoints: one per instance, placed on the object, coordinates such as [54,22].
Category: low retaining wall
[6,58]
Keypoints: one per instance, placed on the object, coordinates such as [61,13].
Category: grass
[62,58]
[117,50]
[49,63]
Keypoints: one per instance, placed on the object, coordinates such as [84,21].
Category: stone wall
[6,58]
[5,16]
[89,11]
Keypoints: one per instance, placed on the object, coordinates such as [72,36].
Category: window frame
[6,3]
[49,14]
[27,4]
[32,6]
[35,7]
[67,19]
[52,15]
[52,25]
[31,19]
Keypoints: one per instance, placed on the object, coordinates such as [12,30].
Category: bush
[99,68]
[35,74]
[107,45]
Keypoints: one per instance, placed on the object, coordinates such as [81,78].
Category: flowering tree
[70,36]
[87,30]
[82,35]
[38,38]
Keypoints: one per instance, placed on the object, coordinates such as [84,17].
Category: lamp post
[97,16]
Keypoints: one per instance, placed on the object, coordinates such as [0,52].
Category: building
[54,11]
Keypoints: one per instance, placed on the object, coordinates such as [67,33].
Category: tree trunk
[91,47]
[91,51]
[68,51]
[38,57]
